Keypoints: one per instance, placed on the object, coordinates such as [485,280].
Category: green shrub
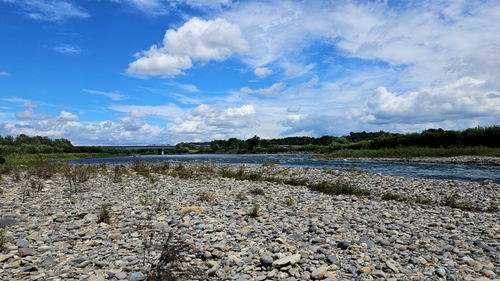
[255,211]
[104,214]
[205,196]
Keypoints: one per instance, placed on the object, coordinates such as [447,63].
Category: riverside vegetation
[177,221]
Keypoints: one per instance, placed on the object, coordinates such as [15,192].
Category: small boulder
[190,209]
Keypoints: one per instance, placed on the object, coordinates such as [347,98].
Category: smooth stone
[266,260]
[392,265]
[333,260]
[121,275]
[289,260]
[23,243]
[343,245]
[29,269]
[72,227]
[137,276]
[379,273]
[319,273]
[23,252]
[440,272]
[367,241]
[90,217]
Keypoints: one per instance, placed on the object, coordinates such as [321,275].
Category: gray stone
[379,273]
[266,260]
[319,273]
[137,276]
[121,275]
[343,245]
[23,243]
[333,260]
[4,222]
[289,260]
[23,252]
[441,272]
[367,241]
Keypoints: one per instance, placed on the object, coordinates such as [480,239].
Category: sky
[122,72]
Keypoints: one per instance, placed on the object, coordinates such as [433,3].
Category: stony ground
[246,230]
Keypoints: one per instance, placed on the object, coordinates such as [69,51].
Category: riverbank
[463,160]
[249,230]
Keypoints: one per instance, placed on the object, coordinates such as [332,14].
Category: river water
[394,168]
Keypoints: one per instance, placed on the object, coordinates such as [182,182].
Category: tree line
[38,144]
[432,138]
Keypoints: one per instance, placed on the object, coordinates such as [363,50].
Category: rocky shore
[249,230]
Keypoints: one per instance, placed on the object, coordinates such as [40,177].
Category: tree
[253,143]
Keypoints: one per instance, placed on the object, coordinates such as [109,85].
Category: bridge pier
[160,151]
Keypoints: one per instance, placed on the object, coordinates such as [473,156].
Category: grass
[408,152]
[205,196]
[255,210]
[168,266]
[104,214]
[339,187]
[257,191]
[3,239]
[289,201]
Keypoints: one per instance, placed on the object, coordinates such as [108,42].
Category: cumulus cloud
[29,115]
[272,91]
[51,10]
[131,122]
[196,40]
[112,95]
[463,99]
[207,120]
[318,125]
[262,72]
[67,116]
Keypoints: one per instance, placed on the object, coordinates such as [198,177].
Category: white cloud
[67,116]
[3,73]
[30,104]
[204,120]
[68,50]
[196,40]
[274,90]
[186,87]
[262,72]
[112,95]
[292,71]
[293,108]
[168,111]
[29,115]
[465,99]
[214,4]
[51,10]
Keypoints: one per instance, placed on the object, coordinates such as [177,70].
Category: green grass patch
[408,152]
[339,187]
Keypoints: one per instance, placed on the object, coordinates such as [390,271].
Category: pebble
[316,237]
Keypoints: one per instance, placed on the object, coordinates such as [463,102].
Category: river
[394,168]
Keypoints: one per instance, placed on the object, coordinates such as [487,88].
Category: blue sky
[100,72]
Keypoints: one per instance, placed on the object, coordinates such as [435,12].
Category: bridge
[160,147]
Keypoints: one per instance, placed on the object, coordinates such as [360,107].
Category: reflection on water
[405,169]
